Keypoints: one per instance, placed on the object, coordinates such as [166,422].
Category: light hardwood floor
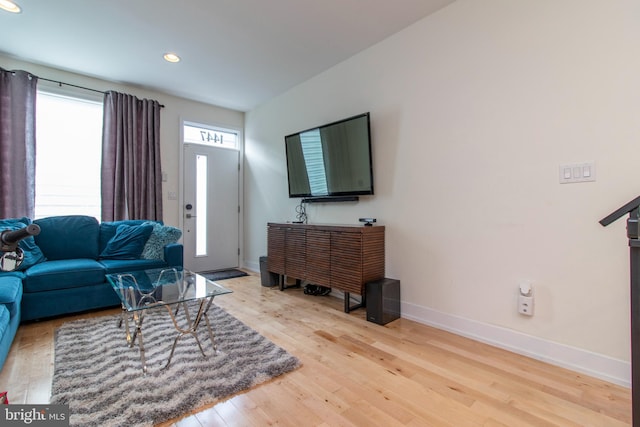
[357,373]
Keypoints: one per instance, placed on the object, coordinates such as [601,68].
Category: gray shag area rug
[100,377]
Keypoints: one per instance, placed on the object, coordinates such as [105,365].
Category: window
[215,137]
[201,204]
[68,156]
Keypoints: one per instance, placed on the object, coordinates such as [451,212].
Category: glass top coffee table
[172,288]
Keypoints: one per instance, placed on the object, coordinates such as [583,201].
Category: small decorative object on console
[368,222]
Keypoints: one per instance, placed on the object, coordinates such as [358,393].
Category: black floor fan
[633,234]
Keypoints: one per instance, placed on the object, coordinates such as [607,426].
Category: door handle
[190,216]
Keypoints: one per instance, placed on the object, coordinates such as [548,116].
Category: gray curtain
[17,143]
[131,174]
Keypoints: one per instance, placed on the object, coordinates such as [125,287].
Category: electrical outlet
[525,305]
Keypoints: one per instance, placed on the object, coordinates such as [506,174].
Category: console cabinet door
[276,249]
[372,256]
[346,261]
[295,250]
[319,257]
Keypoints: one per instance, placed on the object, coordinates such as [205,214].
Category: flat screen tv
[331,161]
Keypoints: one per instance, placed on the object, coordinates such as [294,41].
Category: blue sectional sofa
[65,267]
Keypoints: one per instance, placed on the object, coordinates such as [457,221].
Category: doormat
[223,274]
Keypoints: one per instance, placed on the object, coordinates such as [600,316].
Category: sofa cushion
[68,237]
[128,242]
[63,274]
[161,236]
[31,251]
[11,293]
[108,229]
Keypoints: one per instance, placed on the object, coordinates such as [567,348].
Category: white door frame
[240,133]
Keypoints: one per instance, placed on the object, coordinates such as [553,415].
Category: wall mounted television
[332,162]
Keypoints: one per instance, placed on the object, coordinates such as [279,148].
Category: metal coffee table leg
[192,326]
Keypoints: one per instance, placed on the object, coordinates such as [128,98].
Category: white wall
[473,109]
[176,109]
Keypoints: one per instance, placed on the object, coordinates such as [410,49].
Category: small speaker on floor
[383,300]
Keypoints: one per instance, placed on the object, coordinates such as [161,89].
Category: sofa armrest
[173,254]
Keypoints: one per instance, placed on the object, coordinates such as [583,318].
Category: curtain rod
[76,86]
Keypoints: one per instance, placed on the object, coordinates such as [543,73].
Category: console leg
[283,283]
[347,303]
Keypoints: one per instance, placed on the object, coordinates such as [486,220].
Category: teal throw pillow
[128,242]
[161,236]
[32,253]
[108,230]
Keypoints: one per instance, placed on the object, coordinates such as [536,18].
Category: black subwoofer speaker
[383,300]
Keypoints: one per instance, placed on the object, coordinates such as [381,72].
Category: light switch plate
[577,172]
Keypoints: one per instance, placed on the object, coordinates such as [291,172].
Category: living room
[475,110]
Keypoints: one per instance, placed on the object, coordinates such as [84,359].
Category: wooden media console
[344,257]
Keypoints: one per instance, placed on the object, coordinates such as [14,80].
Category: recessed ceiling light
[9,6]
[171,57]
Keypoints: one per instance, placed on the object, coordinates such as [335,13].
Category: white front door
[211,208]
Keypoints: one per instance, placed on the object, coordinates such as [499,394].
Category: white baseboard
[596,365]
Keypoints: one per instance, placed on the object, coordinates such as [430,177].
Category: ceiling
[235,53]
